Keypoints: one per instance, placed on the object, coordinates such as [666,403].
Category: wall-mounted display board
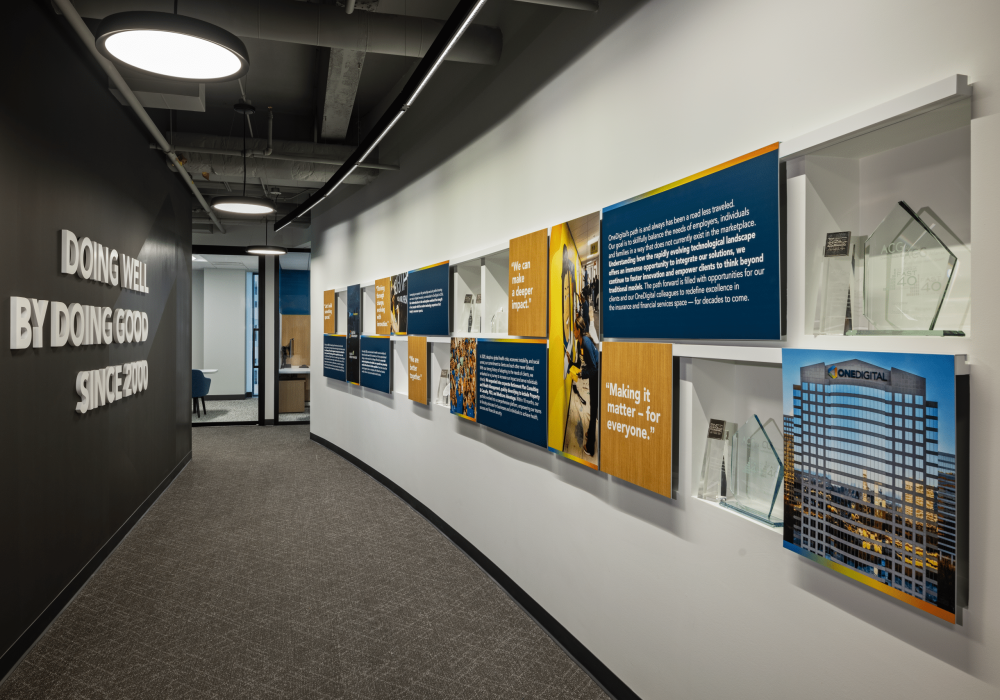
[637,393]
[873,471]
[376,362]
[526,285]
[463,377]
[397,303]
[427,300]
[335,356]
[510,387]
[329,312]
[574,332]
[354,334]
[698,258]
[417,366]
[383,325]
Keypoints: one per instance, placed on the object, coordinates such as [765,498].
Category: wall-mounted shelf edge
[710,504]
[742,353]
[481,253]
[951,89]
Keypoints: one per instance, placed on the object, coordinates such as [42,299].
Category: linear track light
[450,33]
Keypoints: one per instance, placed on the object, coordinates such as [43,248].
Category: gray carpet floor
[226,411]
[272,568]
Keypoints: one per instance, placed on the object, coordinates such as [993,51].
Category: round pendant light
[250,206]
[253,206]
[266,249]
[172,46]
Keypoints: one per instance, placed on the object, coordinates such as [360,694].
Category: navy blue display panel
[293,292]
[699,258]
[510,388]
[354,334]
[335,357]
[427,301]
[376,362]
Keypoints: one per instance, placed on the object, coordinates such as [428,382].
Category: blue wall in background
[293,292]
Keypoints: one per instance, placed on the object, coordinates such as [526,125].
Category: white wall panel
[681,599]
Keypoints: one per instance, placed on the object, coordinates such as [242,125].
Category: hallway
[271,567]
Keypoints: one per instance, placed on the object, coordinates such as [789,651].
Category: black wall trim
[19,648]
[614,685]
[227,397]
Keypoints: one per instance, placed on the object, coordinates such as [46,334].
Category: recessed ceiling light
[243,205]
[172,46]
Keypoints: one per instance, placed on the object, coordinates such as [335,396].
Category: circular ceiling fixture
[266,249]
[253,206]
[250,206]
[172,46]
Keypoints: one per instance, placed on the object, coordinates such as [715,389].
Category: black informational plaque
[716,429]
[837,245]
[354,334]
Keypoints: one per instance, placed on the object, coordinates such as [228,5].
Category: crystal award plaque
[833,302]
[908,272]
[444,386]
[757,472]
[714,470]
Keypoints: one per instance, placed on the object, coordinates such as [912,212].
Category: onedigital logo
[834,373]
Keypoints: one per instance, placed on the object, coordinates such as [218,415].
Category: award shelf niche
[725,395]
[888,243]
[480,288]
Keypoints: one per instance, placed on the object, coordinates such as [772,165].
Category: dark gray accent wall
[72,157]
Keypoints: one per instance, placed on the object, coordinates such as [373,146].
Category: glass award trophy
[757,472]
[715,470]
[908,273]
[833,303]
[443,388]
[468,313]
[477,324]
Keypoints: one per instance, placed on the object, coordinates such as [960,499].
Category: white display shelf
[939,94]
[430,338]
[779,532]
[481,253]
[739,353]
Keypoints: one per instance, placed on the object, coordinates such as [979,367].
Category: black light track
[449,35]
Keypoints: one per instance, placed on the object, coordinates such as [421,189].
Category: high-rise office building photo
[872,468]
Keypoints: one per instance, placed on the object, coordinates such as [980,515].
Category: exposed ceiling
[325,77]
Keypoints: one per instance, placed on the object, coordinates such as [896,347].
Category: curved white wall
[678,598]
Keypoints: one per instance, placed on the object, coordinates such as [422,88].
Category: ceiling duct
[283,173]
[318,25]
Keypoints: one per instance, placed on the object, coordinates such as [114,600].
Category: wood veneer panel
[330,312]
[296,327]
[383,313]
[636,414]
[416,367]
[527,284]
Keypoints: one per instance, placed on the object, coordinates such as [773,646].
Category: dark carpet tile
[273,568]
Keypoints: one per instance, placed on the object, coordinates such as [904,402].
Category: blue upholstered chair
[199,389]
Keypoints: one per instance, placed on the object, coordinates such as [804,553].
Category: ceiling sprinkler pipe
[270,134]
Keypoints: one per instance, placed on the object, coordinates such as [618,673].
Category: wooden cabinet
[292,396]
